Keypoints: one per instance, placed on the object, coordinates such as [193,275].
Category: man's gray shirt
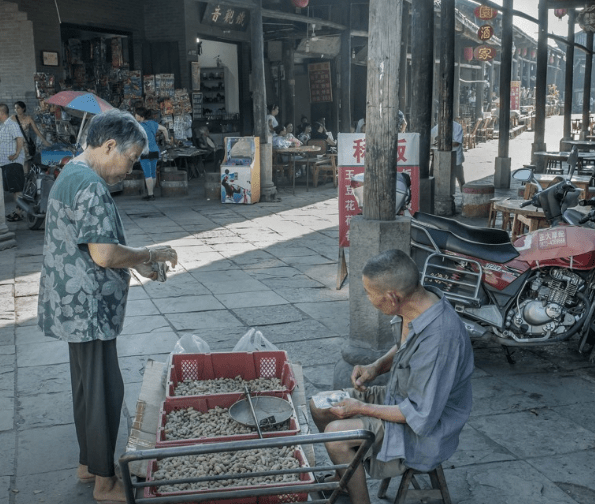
[430,381]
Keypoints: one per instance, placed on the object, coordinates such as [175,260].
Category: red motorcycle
[538,291]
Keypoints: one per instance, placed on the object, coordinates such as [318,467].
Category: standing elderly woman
[148,161]
[84,286]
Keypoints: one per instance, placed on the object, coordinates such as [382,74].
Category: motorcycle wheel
[34,222]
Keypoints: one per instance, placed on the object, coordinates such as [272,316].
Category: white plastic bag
[254,341]
[191,343]
[187,344]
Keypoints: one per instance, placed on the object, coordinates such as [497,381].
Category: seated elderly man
[418,416]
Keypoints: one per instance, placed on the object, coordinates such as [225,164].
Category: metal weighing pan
[269,411]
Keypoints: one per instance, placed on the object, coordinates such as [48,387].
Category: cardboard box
[146,419]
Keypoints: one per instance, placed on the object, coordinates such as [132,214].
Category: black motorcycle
[34,200]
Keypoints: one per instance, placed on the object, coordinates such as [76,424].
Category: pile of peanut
[226,386]
[239,462]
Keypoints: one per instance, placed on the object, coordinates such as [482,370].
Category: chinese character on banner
[319,75]
[484,53]
[485,32]
[351,154]
[228,18]
[484,12]
[515,95]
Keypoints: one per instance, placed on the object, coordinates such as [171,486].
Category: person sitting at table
[149,162]
[214,154]
[289,134]
[320,133]
[306,134]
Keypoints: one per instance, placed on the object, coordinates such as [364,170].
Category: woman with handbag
[148,162]
[26,123]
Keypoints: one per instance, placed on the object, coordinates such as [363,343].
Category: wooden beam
[382,110]
[587,87]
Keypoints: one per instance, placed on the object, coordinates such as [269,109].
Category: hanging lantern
[586,19]
[300,3]
[518,51]
[468,53]
[551,60]
[524,52]
[533,53]
[560,13]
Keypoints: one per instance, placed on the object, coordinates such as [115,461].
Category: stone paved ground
[530,439]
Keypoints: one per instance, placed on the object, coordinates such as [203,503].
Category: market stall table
[297,151]
[185,154]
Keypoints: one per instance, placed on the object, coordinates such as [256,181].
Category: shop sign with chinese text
[484,53]
[515,95]
[485,32]
[484,12]
[351,161]
[226,17]
[319,75]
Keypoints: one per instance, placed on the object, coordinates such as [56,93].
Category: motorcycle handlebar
[587,202]
[526,203]
[585,218]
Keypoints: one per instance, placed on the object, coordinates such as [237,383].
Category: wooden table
[530,216]
[582,144]
[562,156]
[580,181]
[184,154]
[296,151]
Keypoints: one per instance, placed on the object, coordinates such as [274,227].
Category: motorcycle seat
[475,234]
[445,239]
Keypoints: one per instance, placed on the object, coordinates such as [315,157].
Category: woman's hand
[146,270]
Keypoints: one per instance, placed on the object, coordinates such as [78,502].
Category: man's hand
[146,270]
[347,408]
[362,374]
[12,157]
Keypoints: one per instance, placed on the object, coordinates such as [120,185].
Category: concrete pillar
[540,87]
[6,237]
[370,335]
[268,191]
[444,203]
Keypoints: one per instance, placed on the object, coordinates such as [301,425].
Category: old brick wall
[165,21]
[17,57]
[45,18]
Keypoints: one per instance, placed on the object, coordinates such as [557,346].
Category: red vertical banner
[319,75]
[351,161]
[515,95]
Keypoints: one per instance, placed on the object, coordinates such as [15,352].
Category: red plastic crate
[205,403]
[305,479]
[248,365]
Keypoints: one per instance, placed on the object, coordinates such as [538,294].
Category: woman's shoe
[13,217]
[149,197]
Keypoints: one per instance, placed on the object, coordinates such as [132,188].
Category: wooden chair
[489,130]
[326,163]
[482,130]
[439,492]
[473,135]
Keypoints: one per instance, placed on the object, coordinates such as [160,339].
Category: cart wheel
[34,222]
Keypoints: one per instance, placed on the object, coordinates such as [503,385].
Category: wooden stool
[439,492]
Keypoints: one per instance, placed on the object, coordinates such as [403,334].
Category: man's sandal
[13,217]
[331,478]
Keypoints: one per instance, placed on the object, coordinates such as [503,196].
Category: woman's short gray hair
[119,126]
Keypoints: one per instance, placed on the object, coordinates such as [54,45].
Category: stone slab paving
[272,266]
